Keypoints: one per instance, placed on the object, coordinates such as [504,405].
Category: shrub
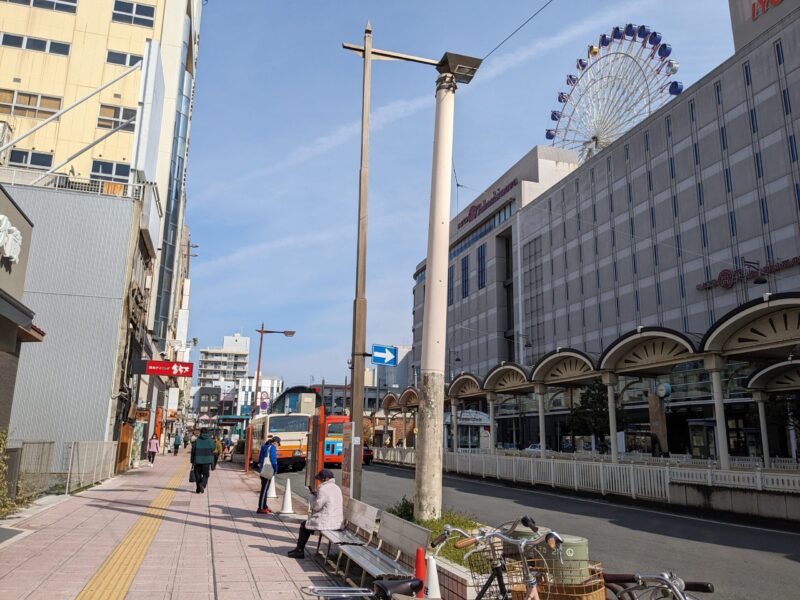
[7,505]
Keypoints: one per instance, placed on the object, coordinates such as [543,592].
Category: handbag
[192,476]
[267,472]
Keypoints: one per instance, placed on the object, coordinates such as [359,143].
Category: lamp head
[462,67]
[289,333]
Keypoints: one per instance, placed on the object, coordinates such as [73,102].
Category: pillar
[716,364]
[540,391]
[610,379]
[403,420]
[491,398]
[760,398]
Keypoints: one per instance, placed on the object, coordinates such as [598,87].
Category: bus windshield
[335,428]
[288,423]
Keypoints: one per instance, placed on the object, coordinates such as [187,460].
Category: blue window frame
[668,126]
[683,286]
[636,299]
[658,293]
[704,234]
[746,69]
[718,92]
[678,244]
[779,52]
[481,266]
[465,276]
[691,110]
[700,196]
[753,120]
[723,138]
[770,256]
[764,211]
[649,181]
[671,168]
[792,148]
[728,184]
[732,222]
[759,166]
[696,154]
[787,103]
[450,276]
[655,255]
[652,217]
[633,264]
[674,205]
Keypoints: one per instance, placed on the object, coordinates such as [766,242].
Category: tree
[590,416]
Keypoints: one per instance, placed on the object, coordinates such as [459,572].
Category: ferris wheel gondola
[625,76]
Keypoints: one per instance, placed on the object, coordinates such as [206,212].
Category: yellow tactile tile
[116,574]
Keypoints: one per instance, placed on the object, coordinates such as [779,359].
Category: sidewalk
[146,535]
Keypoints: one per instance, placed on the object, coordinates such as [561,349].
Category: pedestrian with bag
[327,511]
[267,469]
[176,444]
[202,458]
[152,449]
[217,452]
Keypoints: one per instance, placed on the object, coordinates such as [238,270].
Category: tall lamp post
[261,333]
[452,68]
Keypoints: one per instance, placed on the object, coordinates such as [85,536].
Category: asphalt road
[744,562]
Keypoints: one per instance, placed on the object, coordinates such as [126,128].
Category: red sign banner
[168,368]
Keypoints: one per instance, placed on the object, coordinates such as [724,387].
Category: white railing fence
[90,463]
[625,479]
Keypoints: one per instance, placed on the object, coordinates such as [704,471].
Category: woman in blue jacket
[267,469]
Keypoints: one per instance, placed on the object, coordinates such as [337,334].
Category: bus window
[287,423]
[335,428]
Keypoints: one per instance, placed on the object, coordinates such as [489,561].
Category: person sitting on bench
[326,511]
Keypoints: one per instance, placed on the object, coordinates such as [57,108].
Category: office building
[228,362]
[671,257]
[270,387]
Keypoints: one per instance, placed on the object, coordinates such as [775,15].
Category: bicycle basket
[565,580]
[480,561]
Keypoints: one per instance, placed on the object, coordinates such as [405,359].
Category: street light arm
[388,55]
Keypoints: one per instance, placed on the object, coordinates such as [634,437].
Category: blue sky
[273,169]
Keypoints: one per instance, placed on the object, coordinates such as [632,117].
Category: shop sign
[727,278]
[142,415]
[479,208]
[760,7]
[10,240]
[163,367]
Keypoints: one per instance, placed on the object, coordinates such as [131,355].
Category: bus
[334,434]
[293,431]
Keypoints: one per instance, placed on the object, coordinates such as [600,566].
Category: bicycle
[645,587]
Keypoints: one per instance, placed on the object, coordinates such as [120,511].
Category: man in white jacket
[326,511]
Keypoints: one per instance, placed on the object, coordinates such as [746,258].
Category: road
[744,562]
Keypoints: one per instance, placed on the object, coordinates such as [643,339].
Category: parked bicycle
[653,587]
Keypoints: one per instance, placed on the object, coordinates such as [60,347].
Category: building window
[615,270]
[599,313]
[759,166]
[104,170]
[764,211]
[655,255]
[649,181]
[732,222]
[611,202]
[779,52]
[122,58]
[770,256]
[718,92]
[630,193]
[674,206]
[728,185]
[133,13]
[24,104]
[613,237]
[652,217]
[787,103]
[746,69]
[636,299]
[57,5]
[658,293]
[797,194]
[792,148]
[691,110]
[114,116]
[668,126]
[450,285]
[617,303]
[630,224]
[700,193]
[465,276]
[753,120]
[627,153]
[30,159]
[683,286]
[35,44]
[671,168]
[704,234]
[647,141]
[678,244]
[723,138]
[696,154]
[633,263]
[594,212]
[481,266]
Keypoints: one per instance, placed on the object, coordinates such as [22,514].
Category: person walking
[152,449]
[217,452]
[202,457]
[326,511]
[176,444]
[186,439]
[267,469]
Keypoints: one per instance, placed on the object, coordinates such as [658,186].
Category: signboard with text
[164,368]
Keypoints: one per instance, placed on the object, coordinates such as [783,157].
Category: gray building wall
[627,238]
[76,285]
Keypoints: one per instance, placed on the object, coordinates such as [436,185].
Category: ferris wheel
[624,77]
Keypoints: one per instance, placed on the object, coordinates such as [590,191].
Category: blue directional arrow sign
[384,355]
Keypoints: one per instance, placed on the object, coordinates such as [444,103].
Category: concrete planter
[455,581]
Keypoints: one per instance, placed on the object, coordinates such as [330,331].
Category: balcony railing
[62,181]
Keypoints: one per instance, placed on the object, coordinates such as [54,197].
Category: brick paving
[210,545]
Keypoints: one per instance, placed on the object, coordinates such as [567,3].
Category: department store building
[670,257]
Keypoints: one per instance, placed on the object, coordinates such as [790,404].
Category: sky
[275,146]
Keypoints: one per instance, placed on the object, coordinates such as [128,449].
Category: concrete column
[610,379]
[716,364]
[760,398]
[491,398]
[540,392]
[404,425]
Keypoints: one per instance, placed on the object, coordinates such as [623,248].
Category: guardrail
[62,181]
[90,463]
[33,475]
[650,482]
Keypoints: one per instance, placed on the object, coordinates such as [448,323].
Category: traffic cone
[419,570]
[287,509]
[271,493]
[432,590]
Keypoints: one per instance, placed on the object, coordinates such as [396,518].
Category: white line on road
[616,506]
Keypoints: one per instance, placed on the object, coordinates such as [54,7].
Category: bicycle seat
[387,587]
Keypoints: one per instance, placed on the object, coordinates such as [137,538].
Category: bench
[359,519]
[402,538]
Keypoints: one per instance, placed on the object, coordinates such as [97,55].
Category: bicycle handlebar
[465,543]
[704,587]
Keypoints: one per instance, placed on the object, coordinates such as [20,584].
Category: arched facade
[647,351]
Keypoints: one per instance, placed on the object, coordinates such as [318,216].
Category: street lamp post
[453,68]
[261,332]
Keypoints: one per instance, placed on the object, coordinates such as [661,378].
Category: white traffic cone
[287,509]
[271,493]
[432,581]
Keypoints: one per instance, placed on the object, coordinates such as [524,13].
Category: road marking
[116,574]
[610,504]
